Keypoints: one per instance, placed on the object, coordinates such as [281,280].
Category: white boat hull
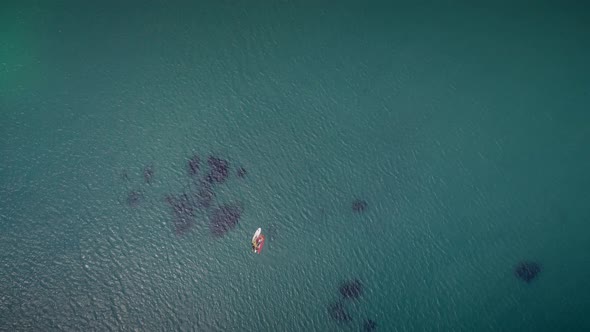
[256,234]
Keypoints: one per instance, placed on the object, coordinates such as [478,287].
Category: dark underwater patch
[359,205]
[351,289]
[148,174]
[183,213]
[225,218]
[338,313]
[369,325]
[527,271]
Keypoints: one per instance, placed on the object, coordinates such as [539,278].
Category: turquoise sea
[464,127]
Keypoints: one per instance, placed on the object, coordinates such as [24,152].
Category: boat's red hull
[260,240]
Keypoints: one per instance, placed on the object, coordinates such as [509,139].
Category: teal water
[465,128]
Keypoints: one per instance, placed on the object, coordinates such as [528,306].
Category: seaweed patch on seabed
[200,197]
[218,170]
[183,213]
[225,218]
[359,205]
[351,289]
[527,271]
[204,195]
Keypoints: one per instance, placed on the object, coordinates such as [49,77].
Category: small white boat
[256,234]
